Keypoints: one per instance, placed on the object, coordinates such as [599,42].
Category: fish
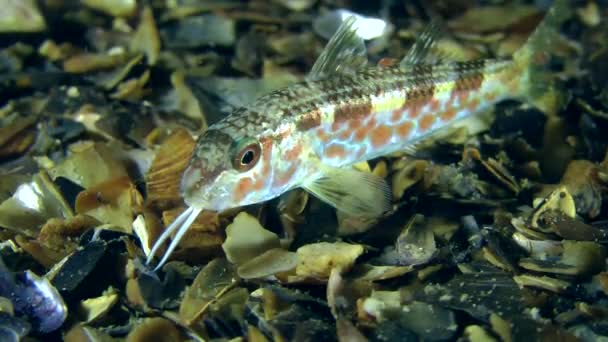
[309,134]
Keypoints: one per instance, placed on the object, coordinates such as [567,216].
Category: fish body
[306,135]
[343,120]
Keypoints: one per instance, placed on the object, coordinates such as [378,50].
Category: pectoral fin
[356,193]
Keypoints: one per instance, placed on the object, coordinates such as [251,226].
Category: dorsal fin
[420,52]
[344,53]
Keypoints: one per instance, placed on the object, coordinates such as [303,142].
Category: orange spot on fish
[336,125]
[266,153]
[387,62]
[434,105]
[259,184]
[283,178]
[476,82]
[414,109]
[381,136]
[344,135]
[426,122]
[396,116]
[449,114]
[450,102]
[335,151]
[322,135]
[293,153]
[242,188]
[405,129]
[462,96]
[473,104]
[457,94]
[354,124]
[361,133]
[371,122]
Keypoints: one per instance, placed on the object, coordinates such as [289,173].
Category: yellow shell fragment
[558,200]
[542,282]
[147,38]
[17,137]
[117,8]
[90,62]
[21,16]
[581,181]
[132,89]
[93,309]
[318,259]
[587,257]
[271,262]
[367,272]
[81,332]
[186,100]
[212,282]
[6,306]
[591,14]
[246,239]
[483,18]
[113,202]
[408,176]
[362,166]
[32,204]
[90,164]
[154,329]
[501,327]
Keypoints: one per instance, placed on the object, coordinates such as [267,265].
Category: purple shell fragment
[34,297]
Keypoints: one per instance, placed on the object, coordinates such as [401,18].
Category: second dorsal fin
[420,52]
[344,53]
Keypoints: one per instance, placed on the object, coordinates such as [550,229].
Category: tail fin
[534,57]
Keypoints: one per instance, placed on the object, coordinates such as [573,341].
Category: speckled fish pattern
[350,118]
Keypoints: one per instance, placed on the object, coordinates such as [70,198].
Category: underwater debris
[494,230]
[35,298]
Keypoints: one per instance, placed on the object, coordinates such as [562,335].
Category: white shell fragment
[139,227]
[367,27]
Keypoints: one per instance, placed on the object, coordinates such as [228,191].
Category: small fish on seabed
[308,134]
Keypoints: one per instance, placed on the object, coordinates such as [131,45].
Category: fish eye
[247,153]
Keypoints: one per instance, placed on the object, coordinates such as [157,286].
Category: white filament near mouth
[181,225]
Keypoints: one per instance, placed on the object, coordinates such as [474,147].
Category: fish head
[226,171]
